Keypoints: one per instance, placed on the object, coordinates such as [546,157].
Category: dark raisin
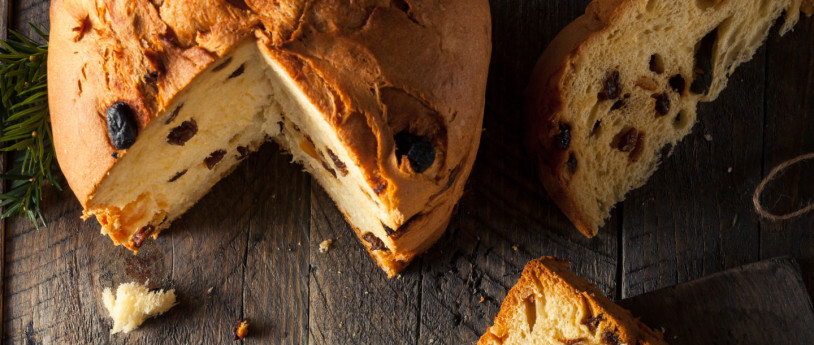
[222,65]
[378,185]
[702,79]
[337,162]
[418,149]
[610,338]
[592,322]
[243,152]
[617,105]
[115,155]
[656,64]
[375,242]
[142,234]
[178,175]
[637,151]
[563,140]
[214,158]
[662,104]
[328,167]
[577,341]
[121,125]
[174,114]
[611,87]
[181,134]
[597,125]
[572,163]
[628,139]
[677,83]
[237,72]
[388,229]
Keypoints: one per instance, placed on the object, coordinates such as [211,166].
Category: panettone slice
[622,82]
[552,305]
[381,102]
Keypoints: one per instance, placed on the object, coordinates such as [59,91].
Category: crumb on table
[324,246]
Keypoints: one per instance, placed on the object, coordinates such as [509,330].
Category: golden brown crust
[347,57]
[552,275]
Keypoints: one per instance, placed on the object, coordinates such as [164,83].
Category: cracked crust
[550,304]
[347,58]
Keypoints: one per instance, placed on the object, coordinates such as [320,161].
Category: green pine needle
[25,126]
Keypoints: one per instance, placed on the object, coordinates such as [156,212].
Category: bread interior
[665,56]
[236,104]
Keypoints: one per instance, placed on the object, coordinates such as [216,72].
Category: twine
[783,166]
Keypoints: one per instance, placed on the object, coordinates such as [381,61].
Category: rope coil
[778,169]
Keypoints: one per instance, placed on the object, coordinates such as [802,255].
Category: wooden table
[249,248]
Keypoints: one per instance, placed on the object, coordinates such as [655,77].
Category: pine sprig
[25,126]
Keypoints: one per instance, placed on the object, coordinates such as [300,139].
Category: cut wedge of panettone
[381,101]
[550,305]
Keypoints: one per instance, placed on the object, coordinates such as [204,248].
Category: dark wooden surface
[760,303]
[253,240]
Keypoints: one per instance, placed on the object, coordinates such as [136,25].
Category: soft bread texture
[550,305]
[133,303]
[623,81]
[381,101]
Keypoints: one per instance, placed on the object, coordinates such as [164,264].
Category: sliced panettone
[381,101]
[623,80]
[551,305]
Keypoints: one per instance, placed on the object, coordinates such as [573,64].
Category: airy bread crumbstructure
[133,303]
[550,305]
[623,81]
[380,101]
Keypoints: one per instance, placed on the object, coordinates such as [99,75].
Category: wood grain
[351,299]
[761,303]
[695,216]
[789,131]
[253,240]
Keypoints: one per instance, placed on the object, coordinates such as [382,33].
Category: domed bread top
[399,83]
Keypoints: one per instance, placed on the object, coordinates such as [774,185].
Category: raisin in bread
[551,305]
[153,102]
[623,80]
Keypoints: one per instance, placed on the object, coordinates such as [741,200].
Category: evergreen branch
[25,126]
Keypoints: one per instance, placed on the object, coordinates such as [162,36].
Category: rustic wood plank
[351,299]
[789,132]
[761,303]
[505,218]
[276,294]
[694,217]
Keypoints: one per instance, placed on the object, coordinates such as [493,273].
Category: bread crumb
[481,299]
[708,137]
[729,170]
[240,329]
[134,303]
[324,246]
[515,247]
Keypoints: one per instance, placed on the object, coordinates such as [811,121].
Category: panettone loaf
[549,305]
[622,81]
[153,102]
